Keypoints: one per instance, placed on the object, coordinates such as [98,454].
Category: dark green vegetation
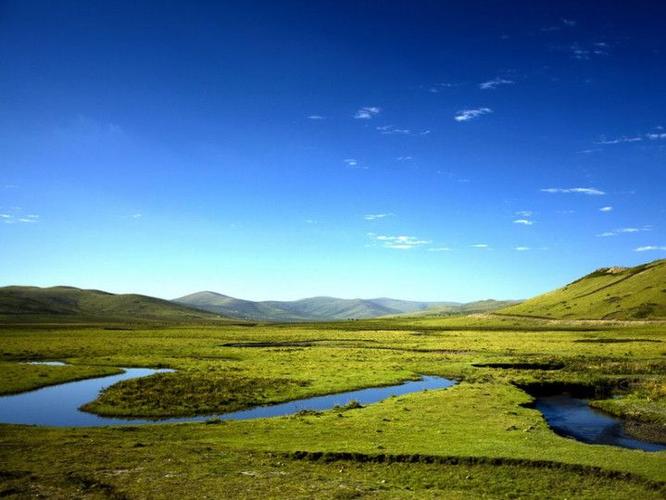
[609,293]
[69,304]
[480,437]
[329,308]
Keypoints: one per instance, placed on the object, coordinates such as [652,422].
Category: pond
[573,417]
[58,405]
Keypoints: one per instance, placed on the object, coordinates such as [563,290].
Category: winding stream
[58,405]
[573,417]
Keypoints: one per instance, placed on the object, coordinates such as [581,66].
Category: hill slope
[310,309]
[62,303]
[327,308]
[608,293]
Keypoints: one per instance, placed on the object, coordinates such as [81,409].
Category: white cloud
[440,249]
[404,158]
[18,218]
[377,216]
[569,22]
[470,114]
[620,140]
[315,117]
[650,248]
[399,242]
[367,112]
[524,222]
[351,162]
[606,209]
[521,249]
[480,245]
[650,136]
[136,215]
[437,87]
[494,83]
[584,53]
[624,230]
[391,130]
[579,190]
[524,213]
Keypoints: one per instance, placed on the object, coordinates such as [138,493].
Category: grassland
[478,438]
[610,293]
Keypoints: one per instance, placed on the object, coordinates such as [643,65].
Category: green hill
[310,309]
[64,304]
[608,293]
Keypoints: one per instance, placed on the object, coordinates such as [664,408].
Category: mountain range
[608,293]
[310,309]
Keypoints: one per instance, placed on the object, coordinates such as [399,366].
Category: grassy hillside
[62,303]
[609,293]
[479,306]
[310,309]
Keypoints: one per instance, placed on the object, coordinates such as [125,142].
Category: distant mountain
[320,308]
[63,303]
[608,293]
[477,307]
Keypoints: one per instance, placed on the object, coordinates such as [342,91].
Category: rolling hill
[608,293]
[326,308]
[310,309]
[63,303]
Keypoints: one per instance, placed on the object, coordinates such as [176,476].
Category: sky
[427,150]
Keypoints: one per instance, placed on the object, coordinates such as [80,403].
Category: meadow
[481,437]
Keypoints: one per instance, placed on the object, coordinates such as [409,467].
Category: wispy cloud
[651,248]
[440,249]
[624,230]
[316,117]
[606,209]
[480,245]
[650,136]
[377,216]
[404,158]
[399,242]
[521,249]
[578,190]
[524,213]
[393,130]
[352,162]
[438,87]
[367,112]
[17,218]
[524,222]
[470,114]
[494,83]
[620,140]
[586,52]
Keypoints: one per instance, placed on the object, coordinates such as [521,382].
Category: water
[58,405]
[573,417]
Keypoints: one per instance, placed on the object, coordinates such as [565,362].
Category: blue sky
[420,150]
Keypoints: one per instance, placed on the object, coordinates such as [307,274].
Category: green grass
[482,435]
[613,293]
